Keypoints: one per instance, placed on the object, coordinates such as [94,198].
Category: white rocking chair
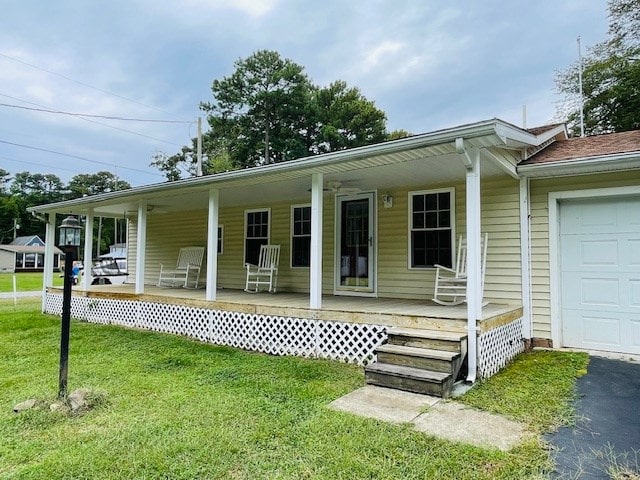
[187,271]
[451,283]
[266,272]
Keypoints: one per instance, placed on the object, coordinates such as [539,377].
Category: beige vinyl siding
[7,261]
[500,219]
[166,233]
[540,189]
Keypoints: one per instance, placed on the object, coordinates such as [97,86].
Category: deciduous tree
[611,76]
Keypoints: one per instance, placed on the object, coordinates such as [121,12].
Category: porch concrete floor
[383,311]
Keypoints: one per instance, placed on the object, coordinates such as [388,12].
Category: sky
[428,64]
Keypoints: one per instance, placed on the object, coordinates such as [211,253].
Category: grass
[537,388]
[179,409]
[25,281]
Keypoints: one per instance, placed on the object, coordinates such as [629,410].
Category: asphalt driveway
[608,425]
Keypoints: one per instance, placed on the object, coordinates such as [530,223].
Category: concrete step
[431,339]
[409,379]
[428,359]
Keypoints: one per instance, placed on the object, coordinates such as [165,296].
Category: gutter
[619,161]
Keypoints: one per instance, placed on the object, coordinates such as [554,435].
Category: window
[431,225]
[30,260]
[256,234]
[220,231]
[301,236]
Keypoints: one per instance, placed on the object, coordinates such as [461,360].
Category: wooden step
[428,359]
[430,339]
[409,379]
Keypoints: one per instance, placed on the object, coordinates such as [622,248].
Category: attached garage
[599,273]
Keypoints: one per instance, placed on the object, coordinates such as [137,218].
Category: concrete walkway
[9,295]
[448,420]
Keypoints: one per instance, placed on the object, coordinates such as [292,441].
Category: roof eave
[584,165]
[505,134]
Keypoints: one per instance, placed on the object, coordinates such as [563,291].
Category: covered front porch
[360,234]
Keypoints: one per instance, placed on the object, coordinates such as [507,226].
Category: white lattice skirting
[498,346]
[347,342]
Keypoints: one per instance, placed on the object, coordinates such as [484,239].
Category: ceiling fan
[336,187]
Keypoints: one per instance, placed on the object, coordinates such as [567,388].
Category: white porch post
[141,246]
[474,280]
[315,271]
[49,245]
[212,245]
[88,250]
[525,258]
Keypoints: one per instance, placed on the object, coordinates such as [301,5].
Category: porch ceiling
[427,166]
[419,161]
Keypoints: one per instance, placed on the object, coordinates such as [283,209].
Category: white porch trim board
[141,246]
[474,280]
[315,270]
[525,258]
[212,245]
[88,249]
[49,242]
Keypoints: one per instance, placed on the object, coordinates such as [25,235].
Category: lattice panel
[498,346]
[53,304]
[353,343]
[107,311]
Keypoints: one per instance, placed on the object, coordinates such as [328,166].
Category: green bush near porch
[176,408]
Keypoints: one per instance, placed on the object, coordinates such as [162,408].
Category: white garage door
[600,271]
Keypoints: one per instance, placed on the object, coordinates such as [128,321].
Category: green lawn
[176,408]
[26,282]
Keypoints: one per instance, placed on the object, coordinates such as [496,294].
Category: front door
[354,242]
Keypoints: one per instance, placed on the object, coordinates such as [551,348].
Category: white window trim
[293,207]
[452,194]
[244,233]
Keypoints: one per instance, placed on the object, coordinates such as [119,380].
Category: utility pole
[580,85]
[199,149]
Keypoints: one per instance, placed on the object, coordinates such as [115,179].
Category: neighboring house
[360,231]
[26,254]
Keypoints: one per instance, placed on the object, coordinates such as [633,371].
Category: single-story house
[361,232]
[26,254]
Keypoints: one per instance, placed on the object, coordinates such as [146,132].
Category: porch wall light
[387,201]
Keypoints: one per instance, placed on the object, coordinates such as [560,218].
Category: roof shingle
[595,146]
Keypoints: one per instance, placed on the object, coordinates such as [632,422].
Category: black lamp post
[69,241]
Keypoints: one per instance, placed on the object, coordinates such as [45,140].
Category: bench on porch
[186,274]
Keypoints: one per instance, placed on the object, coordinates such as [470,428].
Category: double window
[256,234]
[300,235]
[431,228]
